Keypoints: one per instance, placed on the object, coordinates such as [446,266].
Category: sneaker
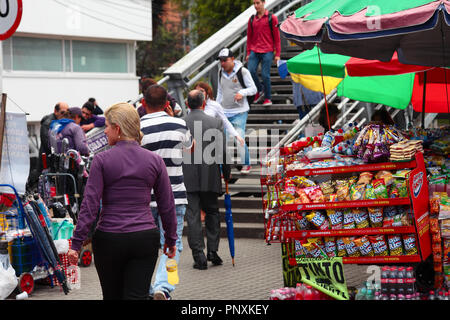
[267,103]
[161,295]
[246,169]
[258,97]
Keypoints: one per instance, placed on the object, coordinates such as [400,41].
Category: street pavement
[257,270]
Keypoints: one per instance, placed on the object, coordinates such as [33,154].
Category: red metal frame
[418,200]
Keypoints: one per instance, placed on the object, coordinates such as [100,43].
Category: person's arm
[249,39]
[166,204]
[250,89]
[90,205]
[219,96]
[276,38]
[79,140]
[218,110]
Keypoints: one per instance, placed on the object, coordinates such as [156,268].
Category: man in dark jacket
[61,108]
[203,182]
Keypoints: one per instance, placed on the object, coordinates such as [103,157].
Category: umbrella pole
[424,98]
[323,87]
[226,192]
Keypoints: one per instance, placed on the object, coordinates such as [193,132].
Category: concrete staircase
[265,123]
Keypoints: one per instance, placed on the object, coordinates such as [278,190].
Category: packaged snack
[402,174]
[369,193]
[348,219]
[436,237]
[361,218]
[351,247]
[327,187]
[386,176]
[340,247]
[330,246]
[357,191]
[401,186]
[352,180]
[318,220]
[389,211]
[314,194]
[301,222]
[379,245]
[302,196]
[434,225]
[375,216]
[395,245]
[286,197]
[364,246]
[380,189]
[299,250]
[314,249]
[342,191]
[336,218]
[365,177]
[434,205]
[409,243]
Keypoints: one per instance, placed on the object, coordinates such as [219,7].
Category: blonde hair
[127,118]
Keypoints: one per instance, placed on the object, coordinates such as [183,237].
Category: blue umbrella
[229,221]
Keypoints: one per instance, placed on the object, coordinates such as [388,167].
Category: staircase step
[244,215]
[240,230]
[282,126]
[274,106]
[245,203]
[272,116]
[282,87]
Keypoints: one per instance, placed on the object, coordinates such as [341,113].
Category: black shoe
[214,258]
[200,262]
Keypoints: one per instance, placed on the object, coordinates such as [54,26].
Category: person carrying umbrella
[202,178]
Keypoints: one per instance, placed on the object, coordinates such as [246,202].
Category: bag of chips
[302,196]
[380,189]
[386,176]
[357,191]
[342,191]
[302,182]
[364,246]
[318,220]
[361,218]
[314,194]
[330,246]
[375,216]
[365,177]
[340,247]
[351,247]
[327,187]
[299,250]
[348,219]
[301,222]
[336,218]
[409,243]
[379,245]
[395,245]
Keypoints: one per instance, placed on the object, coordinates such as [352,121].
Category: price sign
[10,16]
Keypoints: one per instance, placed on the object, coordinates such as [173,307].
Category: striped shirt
[167,136]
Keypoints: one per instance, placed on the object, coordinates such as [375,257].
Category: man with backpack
[234,86]
[263,39]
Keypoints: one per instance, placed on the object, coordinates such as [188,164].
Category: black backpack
[250,99]
[270,23]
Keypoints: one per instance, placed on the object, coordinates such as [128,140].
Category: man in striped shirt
[168,137]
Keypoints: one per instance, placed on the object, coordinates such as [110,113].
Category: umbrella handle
[226,186]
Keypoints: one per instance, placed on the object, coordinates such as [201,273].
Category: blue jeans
[266,62]
[161,272]
[239,122]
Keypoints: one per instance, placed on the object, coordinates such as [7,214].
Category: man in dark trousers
[202,175]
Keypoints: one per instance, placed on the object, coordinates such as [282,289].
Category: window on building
[99,57]
[40,54]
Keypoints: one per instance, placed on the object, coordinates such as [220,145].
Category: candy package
[395,245]
[327,187]
[302,182]
[318,220]
[409,243]
[364,246]
[379,245]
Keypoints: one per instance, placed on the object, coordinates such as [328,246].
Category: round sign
[10,15]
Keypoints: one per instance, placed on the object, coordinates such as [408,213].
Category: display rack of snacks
[367,213]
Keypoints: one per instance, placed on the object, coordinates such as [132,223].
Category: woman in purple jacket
[126,241]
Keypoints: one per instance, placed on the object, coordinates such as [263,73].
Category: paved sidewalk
[258,269]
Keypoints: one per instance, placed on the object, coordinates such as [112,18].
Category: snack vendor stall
[353,203]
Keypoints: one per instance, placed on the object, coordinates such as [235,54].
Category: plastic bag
[73,275]
[8,280]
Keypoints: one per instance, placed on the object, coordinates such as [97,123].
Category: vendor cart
[282,219]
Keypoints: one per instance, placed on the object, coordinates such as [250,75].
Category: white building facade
[71,50]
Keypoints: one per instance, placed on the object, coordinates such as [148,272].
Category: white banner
[15,154]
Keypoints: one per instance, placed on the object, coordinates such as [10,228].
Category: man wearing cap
[68,127]
[234,86]
[263,39]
